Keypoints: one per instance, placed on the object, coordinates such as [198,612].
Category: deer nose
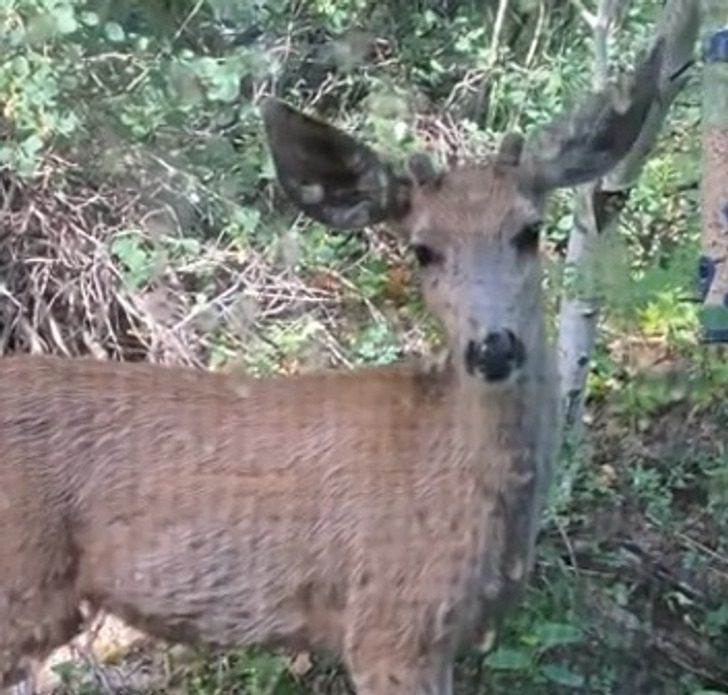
[496,356]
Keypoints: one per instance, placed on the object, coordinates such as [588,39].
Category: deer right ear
[510,149]
[586,143]
[329,175]
[422,171]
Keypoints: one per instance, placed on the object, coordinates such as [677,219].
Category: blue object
[716,47]
[713,318]
[714,336]
[706,273]
[714,323]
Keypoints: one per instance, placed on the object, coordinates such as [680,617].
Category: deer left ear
[510,149]
[422,171]
[329,175]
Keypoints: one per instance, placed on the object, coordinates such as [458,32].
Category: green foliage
[535,660]
[135,258]
[256,672]
[375,343]
[36,77]
[531,660]
[77,678]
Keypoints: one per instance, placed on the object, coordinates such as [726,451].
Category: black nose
[495,356]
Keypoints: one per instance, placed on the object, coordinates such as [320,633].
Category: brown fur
[213,509]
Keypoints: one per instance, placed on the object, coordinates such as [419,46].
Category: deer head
[474,230]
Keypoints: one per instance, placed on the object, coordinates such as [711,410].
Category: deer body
[293,511]
[388,514]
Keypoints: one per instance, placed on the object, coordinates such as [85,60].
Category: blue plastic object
[716,47]
[706,273]
[714,323]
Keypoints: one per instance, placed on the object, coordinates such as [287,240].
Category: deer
[386,514]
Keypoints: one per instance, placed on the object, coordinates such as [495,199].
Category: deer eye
[526,240]
[425,255]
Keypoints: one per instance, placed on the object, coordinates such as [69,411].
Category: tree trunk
[713,268]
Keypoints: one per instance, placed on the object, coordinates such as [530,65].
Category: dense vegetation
[139,220]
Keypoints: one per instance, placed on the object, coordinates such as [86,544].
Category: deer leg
[28,685]
[387,678]
[38,610]
[32,627]
[399,671]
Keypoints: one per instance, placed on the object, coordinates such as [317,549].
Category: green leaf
[183,83]
[31,145]
[40,28]
[561,674]
[400,130]
[376,344]
[505,659]
[137,262]
[556,634]
[225,85]
[113,32]
[65,124]
[90,19]
[65,19]
[205,66]
[21,67]
[245,219]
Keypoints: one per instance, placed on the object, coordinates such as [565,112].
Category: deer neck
[499,415]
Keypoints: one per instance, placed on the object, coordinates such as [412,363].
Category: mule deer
[388,514]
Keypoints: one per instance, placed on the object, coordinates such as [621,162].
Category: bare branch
[500,19]
[537,34]
[603,23]
[587,15]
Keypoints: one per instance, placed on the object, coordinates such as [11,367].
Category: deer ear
[329,175]
[585,144]
[422,171]
[510,149]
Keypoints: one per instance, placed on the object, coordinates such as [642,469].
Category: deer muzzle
[495,357]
